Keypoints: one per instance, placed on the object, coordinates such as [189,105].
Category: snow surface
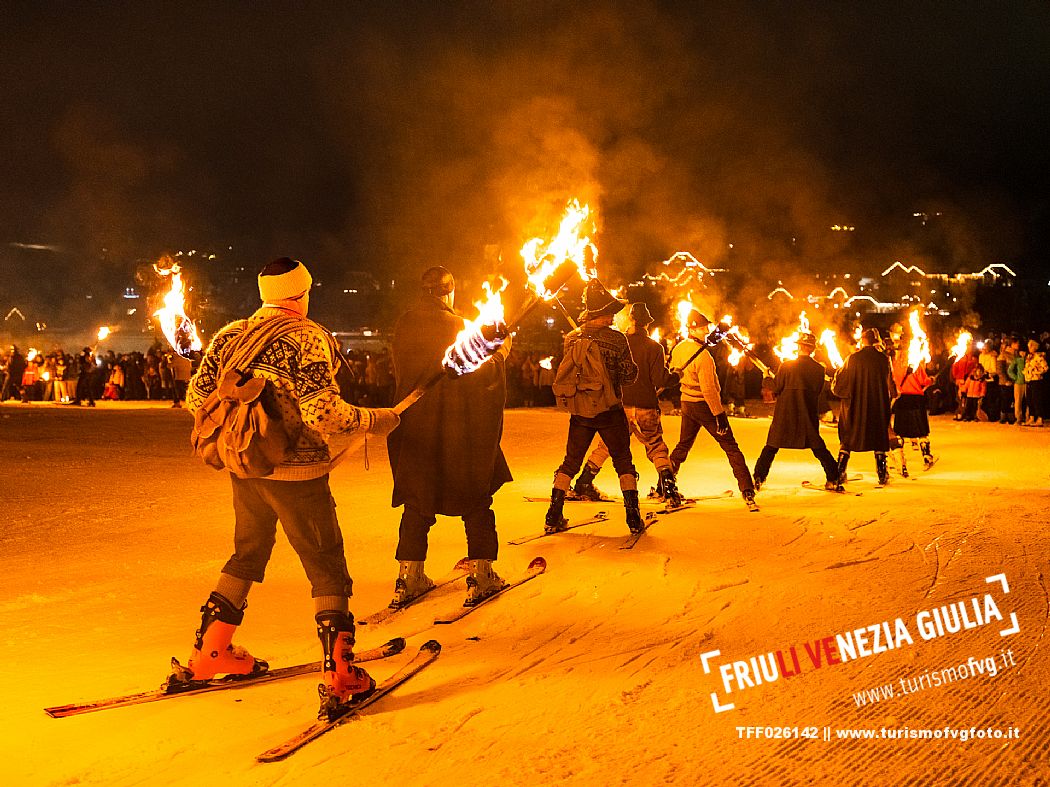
[589,675]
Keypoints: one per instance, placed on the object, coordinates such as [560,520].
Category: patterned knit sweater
[301,365]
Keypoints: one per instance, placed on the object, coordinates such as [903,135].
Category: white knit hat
[294,282]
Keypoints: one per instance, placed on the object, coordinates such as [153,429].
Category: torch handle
[417,392]
[737,342]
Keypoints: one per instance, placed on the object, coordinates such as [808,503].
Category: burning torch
[548,267]
[480,341]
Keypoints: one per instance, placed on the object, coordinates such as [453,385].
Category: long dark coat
[863,384]
[797,387]
[445,455]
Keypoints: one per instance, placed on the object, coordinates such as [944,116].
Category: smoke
[391,137]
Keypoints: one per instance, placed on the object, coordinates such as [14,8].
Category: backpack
[582,384]
[239,425]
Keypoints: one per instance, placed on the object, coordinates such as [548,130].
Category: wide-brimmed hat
[599,302]
[640,314]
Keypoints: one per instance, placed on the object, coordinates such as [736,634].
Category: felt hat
[599,302]
[640,314]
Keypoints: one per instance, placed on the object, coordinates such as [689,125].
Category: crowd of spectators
[1001,379]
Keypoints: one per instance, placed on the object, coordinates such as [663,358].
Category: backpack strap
[253,341]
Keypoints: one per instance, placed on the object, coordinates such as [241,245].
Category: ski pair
[428,653]
[822,488]
[601,516]
[426,656]
[391,648]
[460,570]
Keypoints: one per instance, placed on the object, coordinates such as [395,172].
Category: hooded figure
[446,456]
[863,383]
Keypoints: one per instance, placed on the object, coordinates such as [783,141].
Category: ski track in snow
[588,675]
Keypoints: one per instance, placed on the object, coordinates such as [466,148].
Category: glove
[379,421]
[722,424]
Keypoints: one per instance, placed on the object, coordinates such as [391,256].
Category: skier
[702,405]
[446,457]
[910,419]
[863,383]
[611,423]
[300,366]
[642,409]
[797,387]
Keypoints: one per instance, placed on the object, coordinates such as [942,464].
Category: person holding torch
[797,387]
[298,360]
[446,457]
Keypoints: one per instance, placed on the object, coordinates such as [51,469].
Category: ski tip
[462,564]
[394,646]
[432,645]
[57,711]
[538,564]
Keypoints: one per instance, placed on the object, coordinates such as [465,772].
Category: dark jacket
[863,384]
[652,372]
[445,455]
[797,387]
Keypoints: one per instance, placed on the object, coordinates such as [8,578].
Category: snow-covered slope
[591,674]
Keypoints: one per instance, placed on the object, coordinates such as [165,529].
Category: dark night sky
[386,136]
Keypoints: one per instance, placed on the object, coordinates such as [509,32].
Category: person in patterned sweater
[596,324]
[301,365]
[702,405]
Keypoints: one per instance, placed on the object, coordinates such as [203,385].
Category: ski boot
[749,500]
[903,462]
[881,469]
[213,651]
[672,497]
[556,521]
[344,684]
[832,485]
[758,481]
[634,513]
[584,487]
[411,583]
[927,454]
[843,461]
[482,582]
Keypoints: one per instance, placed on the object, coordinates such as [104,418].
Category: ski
[634,538]
[536,567]
[428,652]
[603,499]
[391,648]
[929,466]
[601,516]
[820,488]
[458,571]
[651,500]
[654,499]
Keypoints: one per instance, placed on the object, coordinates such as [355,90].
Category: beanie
[284,279]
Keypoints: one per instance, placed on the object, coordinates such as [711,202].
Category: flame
[962,344]
[919,346]
[31,354]
[684,307]
[45,376]
[547,363]
[179,329]
[858,334]
[473,345]
[788,348]
[572,243]
[827,338]
[104,332]
[655,335]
